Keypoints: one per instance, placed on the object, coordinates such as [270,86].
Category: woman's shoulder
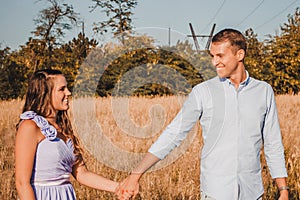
[40,123]
[27,121]
[35,123]
[28,128]
[28,124]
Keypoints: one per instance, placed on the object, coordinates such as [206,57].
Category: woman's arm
[25,149]
[93,180]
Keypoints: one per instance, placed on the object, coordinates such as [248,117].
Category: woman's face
[60,93]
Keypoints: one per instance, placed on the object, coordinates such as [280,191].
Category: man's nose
[215,61]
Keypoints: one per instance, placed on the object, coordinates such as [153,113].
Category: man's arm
[172,136]
[283,188]
[130,184]
[273,148]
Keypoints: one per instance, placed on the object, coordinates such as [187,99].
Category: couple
[237,114]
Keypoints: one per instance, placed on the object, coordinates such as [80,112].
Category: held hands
[123,194]
[128,188]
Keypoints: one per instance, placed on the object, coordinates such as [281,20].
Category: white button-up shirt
[235,123]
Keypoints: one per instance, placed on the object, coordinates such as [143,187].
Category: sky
[167,21]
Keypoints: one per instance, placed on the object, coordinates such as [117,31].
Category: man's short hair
[235,37]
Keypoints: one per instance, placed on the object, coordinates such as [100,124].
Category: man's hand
[129,187]
[282,187]
[284,195]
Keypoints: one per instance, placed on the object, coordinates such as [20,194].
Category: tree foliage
[255,55]
[17,66]
[277,60]
[53,21]
[51,24]
[150,72]
[284,57]
[137,66]
[119,14]
[12,76]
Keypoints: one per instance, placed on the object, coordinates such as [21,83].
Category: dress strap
[47,130]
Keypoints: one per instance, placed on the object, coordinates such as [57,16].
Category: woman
[46,149]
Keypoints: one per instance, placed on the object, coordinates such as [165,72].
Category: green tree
[19,65]
[69,57]
[12,79]
[151,71]
[283,57]
[51,24]
[32,55]
[254,60]
[99,59]
[200,60]
[139,68]
[119,14]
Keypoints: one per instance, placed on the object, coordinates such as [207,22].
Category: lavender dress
[53,163]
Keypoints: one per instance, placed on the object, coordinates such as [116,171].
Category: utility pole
[169,36]
[83,29]
[194,36]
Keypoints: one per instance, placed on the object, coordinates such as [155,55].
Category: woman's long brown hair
[38,99]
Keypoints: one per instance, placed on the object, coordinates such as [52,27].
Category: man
[238,115]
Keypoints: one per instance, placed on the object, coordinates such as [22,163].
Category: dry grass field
[143,117]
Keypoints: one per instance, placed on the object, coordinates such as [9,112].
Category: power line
[219,9]
[251,12]
[272,18]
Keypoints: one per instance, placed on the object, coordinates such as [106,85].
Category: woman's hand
[128,187]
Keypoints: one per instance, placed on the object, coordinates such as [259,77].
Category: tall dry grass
[178,180]
[289,117]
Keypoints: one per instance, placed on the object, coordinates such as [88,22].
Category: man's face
[226,58]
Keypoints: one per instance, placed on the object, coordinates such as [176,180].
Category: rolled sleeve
[273,147]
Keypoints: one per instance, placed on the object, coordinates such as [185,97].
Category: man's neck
[239,77]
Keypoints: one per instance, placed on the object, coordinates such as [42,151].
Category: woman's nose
[68,93]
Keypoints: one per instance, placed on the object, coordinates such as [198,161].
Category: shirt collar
[244,83]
